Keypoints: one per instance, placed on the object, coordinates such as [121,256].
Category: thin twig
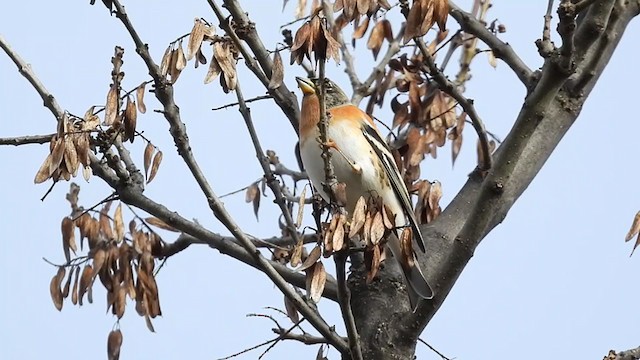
[135,174]
[434,350]
[323,125]
[545,46]
[294,199]
[455,41]
[164,93]
[263,68]
[546,31]
[350,68]
[184,241]
[107,199]
[266,316]
[304,18]
[26,71]
[262,97]
[239,190]
[501,50]
[270,178]
[282,333]
[491,134]
[467,104]
[250,348]
[392,50]
[71,263]
[124,96]
[280,169]
[344,298]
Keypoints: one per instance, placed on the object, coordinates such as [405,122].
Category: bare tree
[430,109]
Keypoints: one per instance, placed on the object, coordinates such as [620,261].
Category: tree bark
[388,329]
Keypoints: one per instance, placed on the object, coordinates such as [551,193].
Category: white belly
[357,184]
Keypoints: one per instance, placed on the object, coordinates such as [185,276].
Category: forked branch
[501,50]
[466,104]
[164,93]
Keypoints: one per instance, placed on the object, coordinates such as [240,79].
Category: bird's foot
[330,144]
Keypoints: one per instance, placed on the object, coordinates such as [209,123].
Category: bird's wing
[383,152]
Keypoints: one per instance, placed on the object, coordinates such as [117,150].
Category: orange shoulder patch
[351,112]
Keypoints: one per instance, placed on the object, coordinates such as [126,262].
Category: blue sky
[554,278]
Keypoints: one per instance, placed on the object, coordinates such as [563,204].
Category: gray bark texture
[387,328]
[557,92]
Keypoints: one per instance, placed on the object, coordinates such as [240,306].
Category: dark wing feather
[397,184]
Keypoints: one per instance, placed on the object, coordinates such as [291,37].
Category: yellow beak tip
[306,86]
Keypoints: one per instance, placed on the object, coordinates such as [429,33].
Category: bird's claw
[330,144]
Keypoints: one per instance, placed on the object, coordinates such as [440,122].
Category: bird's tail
[417,286]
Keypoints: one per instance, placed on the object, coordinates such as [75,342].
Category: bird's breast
[355,148]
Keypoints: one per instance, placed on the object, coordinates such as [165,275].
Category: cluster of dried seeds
[122,261]
[223,60]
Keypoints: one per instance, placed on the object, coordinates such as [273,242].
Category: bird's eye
[328,85]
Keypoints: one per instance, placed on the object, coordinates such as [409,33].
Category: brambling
[363,162]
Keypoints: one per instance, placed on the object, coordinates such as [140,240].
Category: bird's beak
[306,86]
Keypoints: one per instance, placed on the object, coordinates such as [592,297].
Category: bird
[362,161]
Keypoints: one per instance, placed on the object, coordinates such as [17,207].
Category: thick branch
[631,354]
[344,298]
[164,93]
[184,241]
[592,26]
[247,31]
[547,114]
[230,246]
[28,139]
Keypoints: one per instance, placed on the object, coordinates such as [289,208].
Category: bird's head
[334,96]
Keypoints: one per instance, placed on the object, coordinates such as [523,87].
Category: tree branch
[164,93]
[442,356]
[303,338]
[566,28]
[365,88]
[350,68]
[184,241]
[545,46]
[323,126]
[547,114]
[262,97]
[592,26]
[270,178]
[344,298]
[280,169]
[230,246]
[582,5]
[285,98]
[500,49]
[26,71]
[466,104]
[28,139]
[631,354]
